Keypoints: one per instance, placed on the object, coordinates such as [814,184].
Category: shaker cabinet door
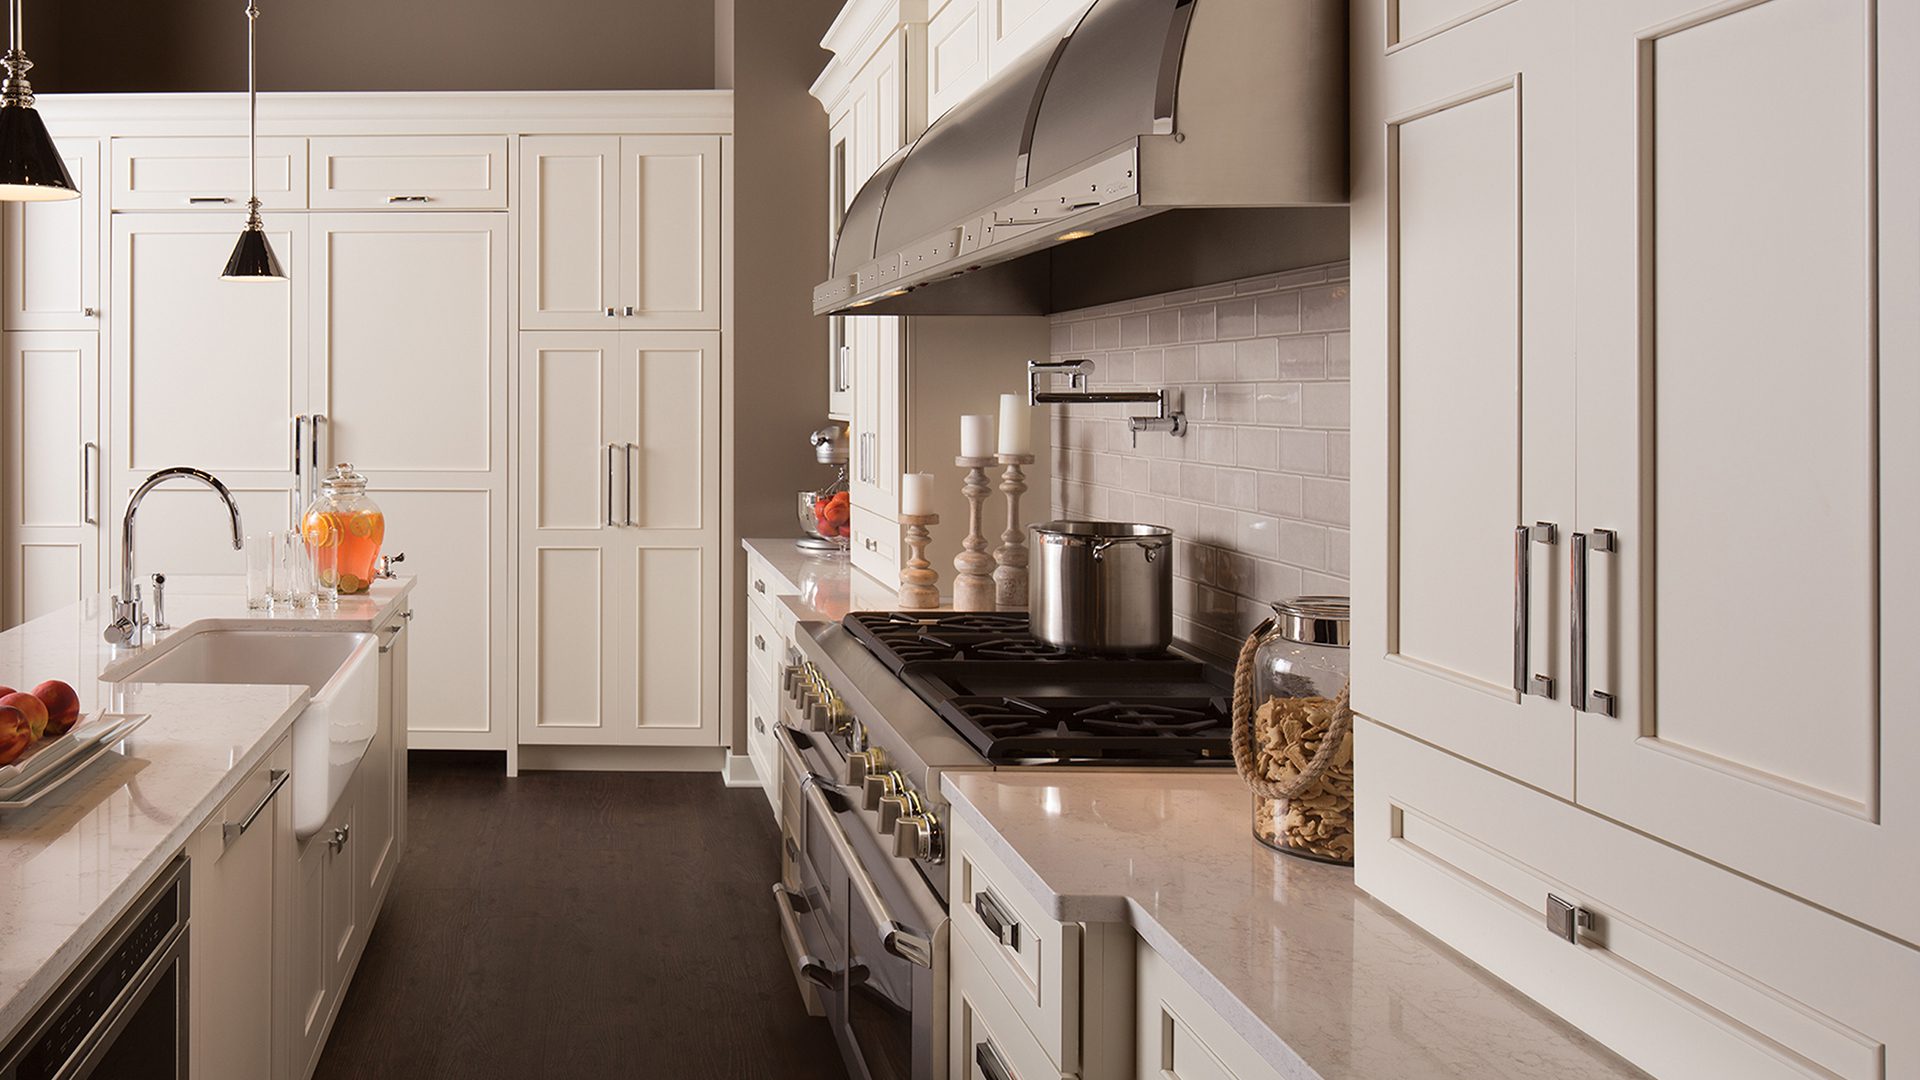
[1750,282]
[669,237]
[51,275]
[569,226]
[1463,330]
[50,486]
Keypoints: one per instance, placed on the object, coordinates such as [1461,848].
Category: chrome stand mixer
[825,513]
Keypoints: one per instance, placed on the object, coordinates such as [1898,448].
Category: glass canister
[1293,728]
[343,530]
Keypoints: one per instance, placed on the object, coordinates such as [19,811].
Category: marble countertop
[1321,979]
[824,588]
[71,863]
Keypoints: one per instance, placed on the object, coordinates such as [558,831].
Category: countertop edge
[1123,909]
[15,1011]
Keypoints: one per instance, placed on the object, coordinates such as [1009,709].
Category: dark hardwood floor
[583,925]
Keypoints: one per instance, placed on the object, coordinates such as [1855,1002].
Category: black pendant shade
[31,170]
[253,258]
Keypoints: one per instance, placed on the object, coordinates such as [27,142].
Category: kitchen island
[72,863]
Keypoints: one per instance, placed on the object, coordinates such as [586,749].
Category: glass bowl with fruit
[826,517]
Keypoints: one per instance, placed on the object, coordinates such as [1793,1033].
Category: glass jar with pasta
[1293,728]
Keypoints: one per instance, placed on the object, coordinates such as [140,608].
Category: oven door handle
[896,937]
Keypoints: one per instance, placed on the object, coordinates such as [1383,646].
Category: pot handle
[1151,547]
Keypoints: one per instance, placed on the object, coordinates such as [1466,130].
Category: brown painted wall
[134,46]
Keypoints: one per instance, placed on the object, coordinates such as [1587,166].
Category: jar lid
[1314,620]
[343,481]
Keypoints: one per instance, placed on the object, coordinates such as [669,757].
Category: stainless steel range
[877,708]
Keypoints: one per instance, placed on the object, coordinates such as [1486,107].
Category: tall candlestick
[973,583]
[916,493]
[1010,558]
[976,437]
[1016,425]
[919,581]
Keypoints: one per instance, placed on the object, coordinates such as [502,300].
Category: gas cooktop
[1021,701]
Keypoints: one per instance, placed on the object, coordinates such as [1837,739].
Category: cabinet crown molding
[855,34]
[707,112]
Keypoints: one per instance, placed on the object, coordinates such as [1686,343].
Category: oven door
[887,1000]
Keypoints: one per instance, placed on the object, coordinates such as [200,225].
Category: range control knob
[876,787]
[917,836]
[789,678]
[894,807]
[818,713]
[858,764]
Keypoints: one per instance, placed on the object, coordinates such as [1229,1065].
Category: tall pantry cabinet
[1633,316]
[423,236]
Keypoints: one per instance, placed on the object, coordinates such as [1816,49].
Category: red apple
[63,705]
[31,707]
[15,734]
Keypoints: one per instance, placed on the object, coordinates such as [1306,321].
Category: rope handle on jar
[1243,730]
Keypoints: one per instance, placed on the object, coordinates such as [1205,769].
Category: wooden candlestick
[973,581]
[919,582]
[1010,558]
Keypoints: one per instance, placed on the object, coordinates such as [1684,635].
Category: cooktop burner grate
[1020,701]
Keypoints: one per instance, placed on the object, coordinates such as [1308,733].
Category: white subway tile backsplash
[1257,491]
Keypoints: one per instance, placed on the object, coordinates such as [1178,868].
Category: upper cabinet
[431,172]
[620,232]
[970,41]
[207,173]
[50,276]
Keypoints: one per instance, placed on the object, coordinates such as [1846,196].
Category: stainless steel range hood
[1161,144]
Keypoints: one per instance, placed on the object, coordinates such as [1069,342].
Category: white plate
[47,753]
[112,728]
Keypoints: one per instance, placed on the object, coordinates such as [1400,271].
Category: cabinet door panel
[52,266]
[567,671]
[206,372]
[233,910]
[564,465]
[956,54]
[673,376]
[449,535]
[445,172]
[1461,420]
[50,488]
[180,173]
[670,231]
[569,214]
[673,592]
[1742,428]
[409,309]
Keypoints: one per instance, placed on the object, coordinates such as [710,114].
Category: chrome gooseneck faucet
[1171,421]
[129,618]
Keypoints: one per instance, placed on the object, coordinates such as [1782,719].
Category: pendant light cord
[16,91]
[253,121]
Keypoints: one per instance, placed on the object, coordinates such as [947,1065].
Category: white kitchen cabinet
[50,499]
[202,372]
[840,330]
[620,231]
[619,538]
[410,347]
[1699,764]
[235,911]
[956,53]
[1017,27]
[325,932]
[1180,1037]
[408,172]
[201,172]
[50,275]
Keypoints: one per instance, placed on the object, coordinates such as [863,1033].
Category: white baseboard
[740,772]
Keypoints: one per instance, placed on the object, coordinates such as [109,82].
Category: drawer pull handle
[759,725]
[760,643]
[998,923]
[1565,920]
[409,198]
[1584,698]
[231,831]
[208,200]
[991,1065]
[338,839]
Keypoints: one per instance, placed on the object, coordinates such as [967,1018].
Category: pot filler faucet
[129,618]
[1173,422]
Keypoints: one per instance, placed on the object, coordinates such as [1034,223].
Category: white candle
[976,436]
[1016,431]
[916,493]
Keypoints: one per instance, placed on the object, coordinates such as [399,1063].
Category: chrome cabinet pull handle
[629,311]
[338,838]
[231,831]
[90,312]
[316,421]
[759,586]
[299,464]
[1525,680]
[1584,698]
[204,200]
[760,643]
[991,1065]
[89,470]
[1004,927]
[610,451]
[610,313]
[628,493]
[409,198]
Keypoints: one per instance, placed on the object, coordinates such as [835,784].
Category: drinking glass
[292,572]
[260,548]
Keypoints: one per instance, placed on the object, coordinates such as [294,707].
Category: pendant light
[252,258]
[30,168]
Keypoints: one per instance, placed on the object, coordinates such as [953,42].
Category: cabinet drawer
[409,172]
[766,652]
[1684,968]
[764,587]
[876,546]
[988,1033]
[207,172]
[1180,1037]
[1070,985]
